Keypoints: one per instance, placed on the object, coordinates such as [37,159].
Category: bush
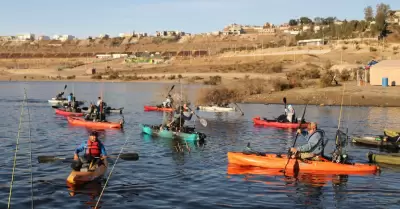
[345,75]
[275,68]
[113,75]
[344,47]
[358,47]
[97,76]
[395,48]
[71,77]
[214,80]
[279,84]
[372,49]
[171,77]
[326,78]
[297,76]
[180,76]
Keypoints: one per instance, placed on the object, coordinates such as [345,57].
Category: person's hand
[293,150]
[76,157]
[103,157]
[299,131]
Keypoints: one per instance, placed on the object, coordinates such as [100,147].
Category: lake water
[163,177]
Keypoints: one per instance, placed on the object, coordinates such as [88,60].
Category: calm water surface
[166,178]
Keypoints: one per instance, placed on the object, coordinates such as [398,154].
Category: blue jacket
[314,143]
[83,147]
[69,98]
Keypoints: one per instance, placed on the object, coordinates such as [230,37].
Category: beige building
[385,69]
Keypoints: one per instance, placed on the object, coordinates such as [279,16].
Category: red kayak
[66,113]
[95,125]
[273,123]
[154,108]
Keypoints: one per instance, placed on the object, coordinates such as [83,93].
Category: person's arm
[188,117]
[312,142]
[79,149]
[103,151]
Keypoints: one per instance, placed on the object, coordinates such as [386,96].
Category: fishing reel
[339,158]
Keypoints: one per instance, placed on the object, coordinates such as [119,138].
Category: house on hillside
[393,17]
[386,69]
[43,38]
[101,36]
[233,29]
[126,35]
[25,37]
[311,42]
[63,37]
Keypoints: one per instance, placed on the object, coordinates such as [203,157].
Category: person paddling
[101,109]
[94,153]
[314,146]
[168,102]
[289,116]
[59,96]
[179,118]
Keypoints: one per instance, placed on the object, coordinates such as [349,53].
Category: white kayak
[55,102]
[216,109]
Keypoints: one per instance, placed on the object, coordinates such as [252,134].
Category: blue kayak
[189,134]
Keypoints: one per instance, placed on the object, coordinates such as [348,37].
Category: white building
[126,35]
[63,37]
[103,56]
[25,37]
[116,56]
[43,38]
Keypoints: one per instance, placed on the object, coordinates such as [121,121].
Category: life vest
[93,148]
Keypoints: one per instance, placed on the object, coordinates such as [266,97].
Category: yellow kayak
[79,177]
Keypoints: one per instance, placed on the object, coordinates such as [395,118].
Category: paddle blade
[84,108]
[203,122]
[130,156]
[48,159]
[55,107]
[65,87]
[284,100]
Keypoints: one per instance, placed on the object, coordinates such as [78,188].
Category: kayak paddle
[124,156]
[173,86]
[295,139]
[202,120]
[284,102]
[239,108]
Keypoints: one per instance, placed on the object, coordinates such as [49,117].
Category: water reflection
[90,190]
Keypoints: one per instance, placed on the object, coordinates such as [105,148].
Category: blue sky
[93,17]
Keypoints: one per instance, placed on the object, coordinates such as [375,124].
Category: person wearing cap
[315,143]
[180,117]
[94,152]
[290,114]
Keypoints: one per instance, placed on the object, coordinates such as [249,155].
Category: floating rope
[109,175]
[16,150]
[30,147]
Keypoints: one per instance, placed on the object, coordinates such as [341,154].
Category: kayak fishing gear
[24,103]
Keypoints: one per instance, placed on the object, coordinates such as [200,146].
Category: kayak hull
[391,133]
[258,121]
[96,125]
[391,159]
[154,131]
[273,161]
[110,110]
[379,141]
[154,108]
[216,109]
[65,113]
[79,177]
[55,102]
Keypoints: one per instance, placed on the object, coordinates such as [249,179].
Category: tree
[380,18]
[329,20]
[305,20]
[318,20]
[368,14]
[293,22]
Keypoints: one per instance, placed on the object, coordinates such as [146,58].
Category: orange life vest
[93,148]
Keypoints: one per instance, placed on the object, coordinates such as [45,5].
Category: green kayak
[392,159]
[188,133]
[380,141]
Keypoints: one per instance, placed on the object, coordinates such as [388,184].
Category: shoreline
[354,96]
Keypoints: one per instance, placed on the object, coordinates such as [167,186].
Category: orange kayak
[273,123]
[154,108]
[273,161]
[66,113]
[90,124]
